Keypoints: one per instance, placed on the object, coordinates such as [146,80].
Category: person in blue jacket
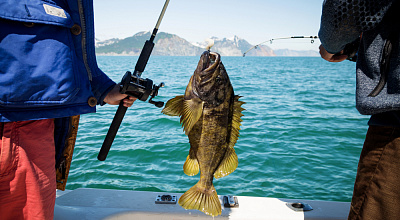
[375,25]
[48,72]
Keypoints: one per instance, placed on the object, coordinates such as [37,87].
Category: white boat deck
[97,204]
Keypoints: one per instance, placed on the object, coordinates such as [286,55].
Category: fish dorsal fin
[174,106]
[236,120]
[228,164]
[230,161]
[191,112]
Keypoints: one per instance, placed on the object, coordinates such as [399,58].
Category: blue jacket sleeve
[101,84]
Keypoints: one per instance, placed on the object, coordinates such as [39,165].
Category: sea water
[300,138]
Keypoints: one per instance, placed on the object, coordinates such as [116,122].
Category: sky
[255,21]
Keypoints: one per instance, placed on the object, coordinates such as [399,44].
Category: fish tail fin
[201,199]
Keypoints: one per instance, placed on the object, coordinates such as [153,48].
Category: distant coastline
[172,45]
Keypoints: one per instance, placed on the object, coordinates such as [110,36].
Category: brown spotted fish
[210,114]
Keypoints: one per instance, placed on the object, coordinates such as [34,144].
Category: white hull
[97,204]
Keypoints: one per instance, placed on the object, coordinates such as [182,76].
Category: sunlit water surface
[301,135]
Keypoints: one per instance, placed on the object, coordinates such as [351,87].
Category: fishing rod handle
[112,132]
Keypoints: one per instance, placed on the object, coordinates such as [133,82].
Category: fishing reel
[135,86]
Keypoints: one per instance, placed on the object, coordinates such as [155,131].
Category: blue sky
[253,20]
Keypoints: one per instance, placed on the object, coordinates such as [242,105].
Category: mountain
[165,45]
[236,46]
[172,45]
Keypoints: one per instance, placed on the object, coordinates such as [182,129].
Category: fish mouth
[209,62]
[212,61]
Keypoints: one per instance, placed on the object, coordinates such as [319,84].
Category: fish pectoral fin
[205,200]
[174,106]
[228,164]
[236,120]
[191,166]
[192,111]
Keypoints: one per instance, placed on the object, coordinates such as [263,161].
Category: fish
[210,114]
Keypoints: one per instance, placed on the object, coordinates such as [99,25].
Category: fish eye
[218,79]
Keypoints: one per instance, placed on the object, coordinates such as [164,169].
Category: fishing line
[281,38]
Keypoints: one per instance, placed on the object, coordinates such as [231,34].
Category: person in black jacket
[375,24]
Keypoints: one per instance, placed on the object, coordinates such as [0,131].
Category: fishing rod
[134,85]
[281,38]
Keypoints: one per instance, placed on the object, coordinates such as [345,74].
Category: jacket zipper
[83,27]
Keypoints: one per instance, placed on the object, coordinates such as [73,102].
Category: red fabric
[27,170]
